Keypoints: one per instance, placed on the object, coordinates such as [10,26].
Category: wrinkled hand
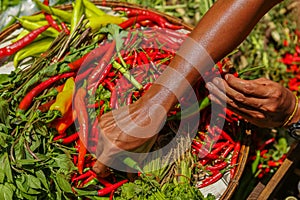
[262,102]
[131,128]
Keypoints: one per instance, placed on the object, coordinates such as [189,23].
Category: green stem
[251,69]
[190,111]
[127,75]
[171,7]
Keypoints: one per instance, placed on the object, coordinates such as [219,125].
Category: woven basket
[110,4]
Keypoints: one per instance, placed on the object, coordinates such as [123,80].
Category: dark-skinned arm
[219,32]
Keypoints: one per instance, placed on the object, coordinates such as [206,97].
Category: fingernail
[211,97]
[216,81]
[209,86]
[226,77]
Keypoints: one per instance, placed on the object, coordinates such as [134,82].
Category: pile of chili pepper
[217,147]
[112,72]
[292,60]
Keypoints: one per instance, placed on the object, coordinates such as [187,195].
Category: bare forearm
[218,33]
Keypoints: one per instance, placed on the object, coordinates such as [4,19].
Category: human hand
[262,102]
[131,128]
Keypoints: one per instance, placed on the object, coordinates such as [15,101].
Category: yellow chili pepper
[97,22]
[64,99]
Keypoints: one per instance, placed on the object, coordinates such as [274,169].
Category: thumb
[101,170]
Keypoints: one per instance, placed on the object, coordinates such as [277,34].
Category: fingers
[101,169]
[255,88]
[233,97]
[240,109]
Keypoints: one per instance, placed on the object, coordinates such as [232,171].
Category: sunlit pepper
[64,98]
[97,22]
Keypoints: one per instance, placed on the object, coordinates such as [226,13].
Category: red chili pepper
[70,138]
[227,151]
[89,181]
[83,120]
[220,147]
[218,166]
[234,158]
[51,21]
[223,134]
[45,107]
[113,99]
[83,75]
[75,159]
[103,63]
[27,100]
[58,137]
[211,179]
[272,163]
[24,41]
[129,99]
[103,181]
[102,77]
[109,189]
[267,142]
[85,175]
[153,17]
[202,153]
[111,196]
[63,123]
[46,2]
[95,105]
[88,58]
[65,28]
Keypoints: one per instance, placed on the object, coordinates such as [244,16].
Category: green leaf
[4,78]
[7,192]
[115,32]
[20,184]
[34,182]
[41,176]
[28,196]
[63,183]
[64,162]
[35,142]
[7,167]
[41,129]
[4,139]
[2,175]
[19,149]
[27,161]
[5,171]
[33,191]
[4,107]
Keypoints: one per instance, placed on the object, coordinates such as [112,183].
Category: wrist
[159,95]
[296,116]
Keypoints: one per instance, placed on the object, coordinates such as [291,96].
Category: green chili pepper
[21,34]
[50,32]
[93,8]
[33,49]
[255,162]
[76,14]
[63,15]
[64,98]
[34,18]
[89,13]
[97,22]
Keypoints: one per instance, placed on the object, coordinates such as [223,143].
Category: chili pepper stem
[127,75]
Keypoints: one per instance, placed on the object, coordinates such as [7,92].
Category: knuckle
[277,94]
[249,89]
[260,116]
[231,103]
[241,98]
